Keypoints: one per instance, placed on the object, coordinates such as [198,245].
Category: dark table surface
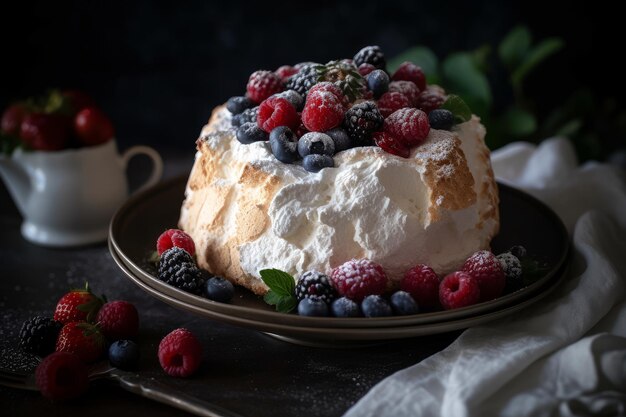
[243,370]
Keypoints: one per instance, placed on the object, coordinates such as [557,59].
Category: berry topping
[392,101]
[391,144]
[38,335]
[277,111]
[247,116]
[237,105]
[82,339]
[175,237]
[177,268]
[263,84]
[296,100]
[407,88]
[12,119]
[61,376]
[345,307]
[459,289]
[118,320]
[316,162]
[365,69]
[315,284]
[304,79]
[250,132]
[376,306]
[340,138]
[378,83]
[124,354]
[219,289]
[485,268]
[409,125]
[284,144]
[512,268]
[93,127]
[441,119]
[356,279]
[408,71]
[78,305]
[316,143]
[361,121]
[423,285]
[429,100]
[370,55]
[313,306]
[285,71]
[180,353]
[403,303]
[45,132]
[345,76]
[323,110]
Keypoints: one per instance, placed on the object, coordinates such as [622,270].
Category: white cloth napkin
[565,355]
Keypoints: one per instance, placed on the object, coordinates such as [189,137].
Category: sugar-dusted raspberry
[175,237]
[392,101]
[422,283]
[409,125]
[459,289]
[263,84]
[485,268]
[277,111]
[328,87]
[323,110]
[180,353]
[408,88]
[118,320]
[365,69]
[285,71]
[391,144]
[408,71]
[358,278]
[429,100]
[61,376]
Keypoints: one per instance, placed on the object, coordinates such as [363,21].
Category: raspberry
[328,87]
[323,111]
[285,71]
[263,84]
[408,88]
[392,101]
[365,69]
[485,268]
[61,376]
[304,79]
[176,268]
[459,289]
[408,71]
[315,284]
[391,144]
[38,335]
[175,237]
[118,320]
[180,353]
[409,125]
[361,121]
[356,279]
[370,55]
[422,283]
[430,100]
[277,111]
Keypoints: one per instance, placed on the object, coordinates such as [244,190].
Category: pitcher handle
[157,164]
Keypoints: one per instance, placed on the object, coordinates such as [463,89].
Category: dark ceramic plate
[524,220]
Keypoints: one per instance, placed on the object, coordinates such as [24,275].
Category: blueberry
[518,251]
[316,143]
[284,144]
[313,306]
[341,139]
[250,132]
[345,307]
[293,97]
[375,306]
[403,304]
[237,105]
[219,289]
[378,82]
[315,162]
[124,354]
[441,119]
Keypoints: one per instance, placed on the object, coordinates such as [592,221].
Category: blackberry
[512,268]
[177,268]
[441,119]
[38,335]
[361,121]
[247,116]
[315,284]
[372,55]
[304,79]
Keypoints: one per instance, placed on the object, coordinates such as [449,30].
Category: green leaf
[514,46]
[536,55]
[419,55]
[480,56]
[517,122]
[464,78]
[570,128]
[279,281]
[286,304]
[272,298]
[460,110]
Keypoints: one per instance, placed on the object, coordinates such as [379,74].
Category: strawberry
[93,127]
[82,339]
[45,131]
[12,119]
[78,305]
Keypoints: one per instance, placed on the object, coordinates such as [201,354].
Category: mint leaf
[459,109]
[462,75]
[514,46]
[279,281]
[286,304]
[535,56]
[272,298]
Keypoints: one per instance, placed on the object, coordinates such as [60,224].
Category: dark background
[158,68]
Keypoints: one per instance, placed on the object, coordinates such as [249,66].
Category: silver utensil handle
[150,388]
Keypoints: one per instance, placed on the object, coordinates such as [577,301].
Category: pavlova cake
[320,164]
